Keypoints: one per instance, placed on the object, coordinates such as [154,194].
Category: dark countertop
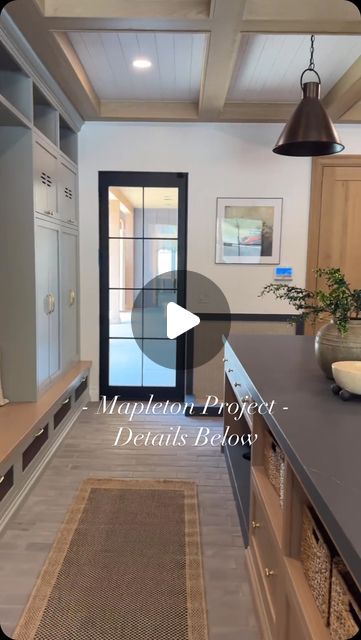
[319,433]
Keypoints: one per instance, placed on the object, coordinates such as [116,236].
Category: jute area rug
[126,565]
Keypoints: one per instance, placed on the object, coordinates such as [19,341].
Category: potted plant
[340,338]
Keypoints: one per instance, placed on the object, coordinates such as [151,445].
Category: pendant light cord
[311,65]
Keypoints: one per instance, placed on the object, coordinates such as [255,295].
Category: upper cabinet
[45,179]
[55,183]
[67,193]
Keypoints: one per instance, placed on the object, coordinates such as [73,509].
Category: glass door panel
[142,231]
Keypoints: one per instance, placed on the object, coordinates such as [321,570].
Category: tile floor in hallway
[88,450]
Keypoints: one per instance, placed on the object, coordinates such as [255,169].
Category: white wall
[227,160]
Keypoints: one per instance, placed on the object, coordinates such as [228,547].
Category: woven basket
[316,558]
[274,464]
[345,605]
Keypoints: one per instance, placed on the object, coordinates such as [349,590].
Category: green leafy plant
[336,299]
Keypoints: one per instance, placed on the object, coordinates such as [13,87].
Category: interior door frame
[146,179]
[318,166]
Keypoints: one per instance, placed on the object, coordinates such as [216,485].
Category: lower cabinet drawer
[62,412]
[267,563]
[6,482]
[35,446]
[81,388]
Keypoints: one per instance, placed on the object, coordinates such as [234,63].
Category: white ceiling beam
[353,116]
[71,55]
[257,111]
[125,8]
[151,111]
[345,93]
[188,112]
[333,27]
[222,51]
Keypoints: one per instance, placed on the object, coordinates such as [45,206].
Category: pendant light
[309,131]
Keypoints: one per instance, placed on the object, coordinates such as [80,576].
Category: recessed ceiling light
[142,63]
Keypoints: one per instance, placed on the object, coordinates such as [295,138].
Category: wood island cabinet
[266,369]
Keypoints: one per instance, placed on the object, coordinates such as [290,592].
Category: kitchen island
[319,438]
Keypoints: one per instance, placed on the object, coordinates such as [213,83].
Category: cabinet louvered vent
[45,179]
[68,193]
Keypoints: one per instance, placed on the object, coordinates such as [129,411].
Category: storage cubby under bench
[30,432]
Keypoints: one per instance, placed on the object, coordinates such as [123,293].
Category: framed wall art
[248,230]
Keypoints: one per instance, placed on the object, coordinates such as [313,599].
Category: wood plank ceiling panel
[177,63]
[269,66]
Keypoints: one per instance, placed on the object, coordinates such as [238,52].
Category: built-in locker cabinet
[67,193]
[45,179]
[69,295]
[47,240]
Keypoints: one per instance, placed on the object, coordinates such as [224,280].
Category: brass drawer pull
[230,370]
[40,433]
[255,525]
[72,297]
[2,478]
[269,573]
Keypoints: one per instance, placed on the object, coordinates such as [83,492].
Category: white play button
[179,320]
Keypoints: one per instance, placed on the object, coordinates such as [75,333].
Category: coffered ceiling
[211,60]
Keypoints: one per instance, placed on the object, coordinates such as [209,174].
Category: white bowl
[347,375]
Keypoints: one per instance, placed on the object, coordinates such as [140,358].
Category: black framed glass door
[143,226]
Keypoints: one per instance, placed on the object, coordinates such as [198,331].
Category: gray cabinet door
[45,180]
[48,307]
[69,279]
[67,193]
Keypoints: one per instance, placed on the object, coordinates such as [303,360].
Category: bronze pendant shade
[309,131]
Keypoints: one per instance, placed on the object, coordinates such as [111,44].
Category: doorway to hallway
[143,234]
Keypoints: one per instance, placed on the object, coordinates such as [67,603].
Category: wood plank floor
[88,450]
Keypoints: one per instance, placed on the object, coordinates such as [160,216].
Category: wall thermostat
[283,273]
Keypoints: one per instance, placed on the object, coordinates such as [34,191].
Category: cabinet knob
[50,212]
[224,359]
[255,525]
[72,297]
[237,384]
[2,478]
[71,221]
[244,399]
[269,573]
[230,370]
